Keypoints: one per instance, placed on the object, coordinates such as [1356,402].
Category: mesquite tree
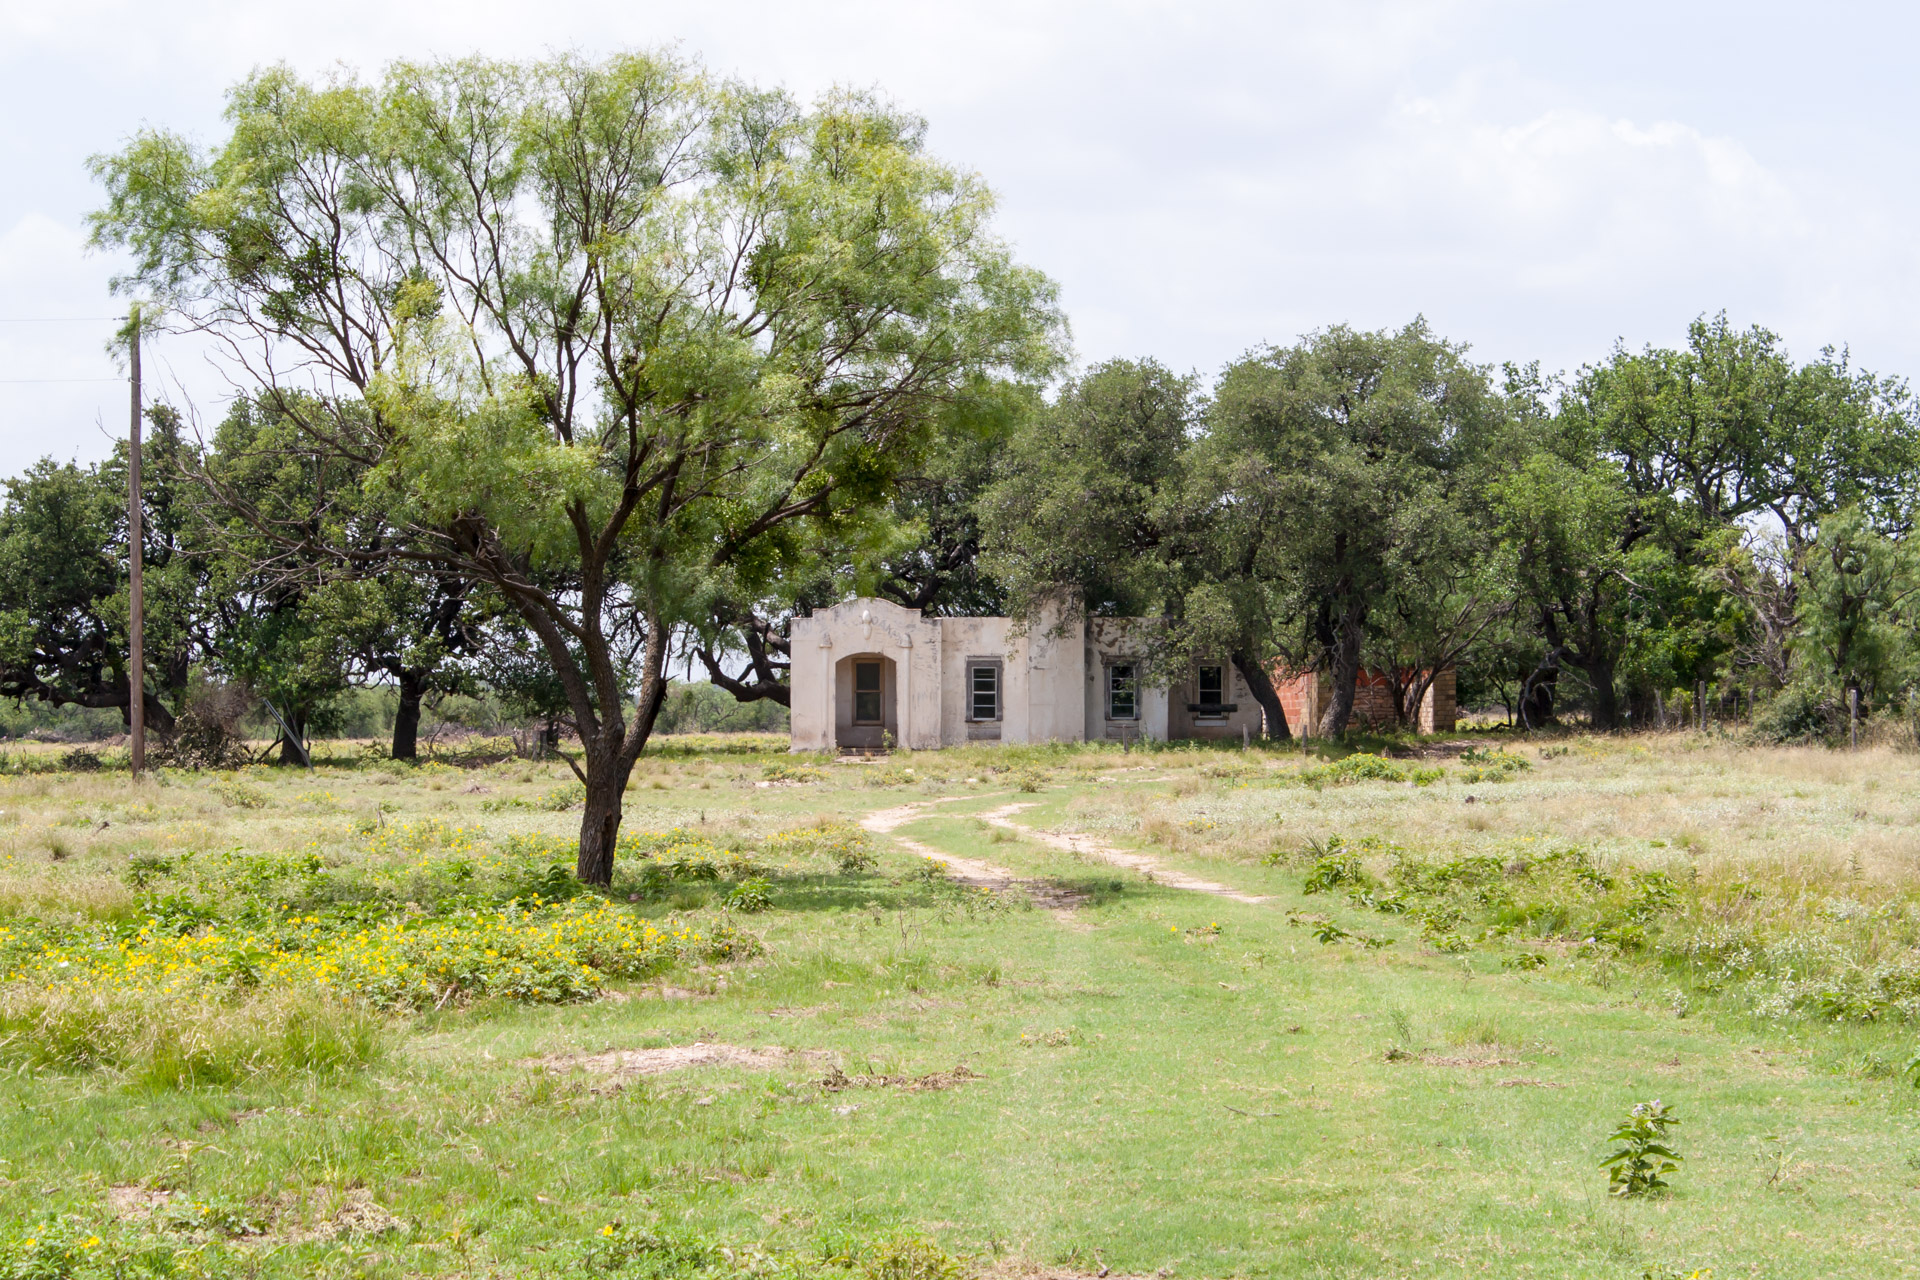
[591,329]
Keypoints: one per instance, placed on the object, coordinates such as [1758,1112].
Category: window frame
[1219,699]
[878,693]
[1132,681]
[973,667]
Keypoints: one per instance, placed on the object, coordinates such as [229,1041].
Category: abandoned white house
[870,673]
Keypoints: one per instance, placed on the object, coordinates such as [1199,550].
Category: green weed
[1646,1154]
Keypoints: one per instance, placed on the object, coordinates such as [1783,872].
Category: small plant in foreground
[1646,1154]
[750,895]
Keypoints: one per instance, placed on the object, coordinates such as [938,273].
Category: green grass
[1167,1080]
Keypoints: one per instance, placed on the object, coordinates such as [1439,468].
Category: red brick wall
[1303,696]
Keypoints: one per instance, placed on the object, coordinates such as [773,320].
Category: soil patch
[125,1202]
[654,1062]
[1436,1060]
[836,1080]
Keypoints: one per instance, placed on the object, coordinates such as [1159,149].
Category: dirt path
[881,821]
[971,872]
[1087,846]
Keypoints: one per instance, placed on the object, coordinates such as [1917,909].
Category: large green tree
[1362,450]
[1722,440]
[592,327]
[63,581]
[1114,497]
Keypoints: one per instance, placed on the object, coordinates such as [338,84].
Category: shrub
[1494,765]
[534,952]
[240,794]
[563,797]
[81,760]
[1334,865]
[1802,712]
[750,895]
[1646,1154]
[1359,767]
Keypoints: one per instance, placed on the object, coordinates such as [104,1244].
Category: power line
[55,319]
[17,382]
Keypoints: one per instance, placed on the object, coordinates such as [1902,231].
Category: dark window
[1212,686]
[1122,700]
[983,691]
[866,693]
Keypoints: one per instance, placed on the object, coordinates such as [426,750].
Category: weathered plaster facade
[869,673]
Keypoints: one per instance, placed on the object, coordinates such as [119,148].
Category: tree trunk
[610,754]
[1346,673]
[406,720]
[1606,702]
[1261,686]
[1536,693]
[291,750]
[600,824]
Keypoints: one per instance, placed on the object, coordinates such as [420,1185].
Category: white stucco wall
[821,642]
[1246,716]
[1110,640]
[1052,684]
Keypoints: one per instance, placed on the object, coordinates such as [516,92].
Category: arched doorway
[865,701]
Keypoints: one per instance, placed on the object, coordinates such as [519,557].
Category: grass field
[1181,1013]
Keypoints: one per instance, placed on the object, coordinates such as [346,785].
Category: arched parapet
[905,648]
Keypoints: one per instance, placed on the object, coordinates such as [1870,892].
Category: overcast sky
[1539,180]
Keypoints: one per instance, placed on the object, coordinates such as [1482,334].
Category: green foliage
[751,895]
[63,593]
[686,276]
[1491,765]
[1858,610]
[240,794]
[1335,865]
[706,708]
[1646,1153]
[1359,767]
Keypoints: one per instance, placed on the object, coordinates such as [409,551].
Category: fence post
[1853,718]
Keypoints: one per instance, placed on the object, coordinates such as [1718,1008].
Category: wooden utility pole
[136,621]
